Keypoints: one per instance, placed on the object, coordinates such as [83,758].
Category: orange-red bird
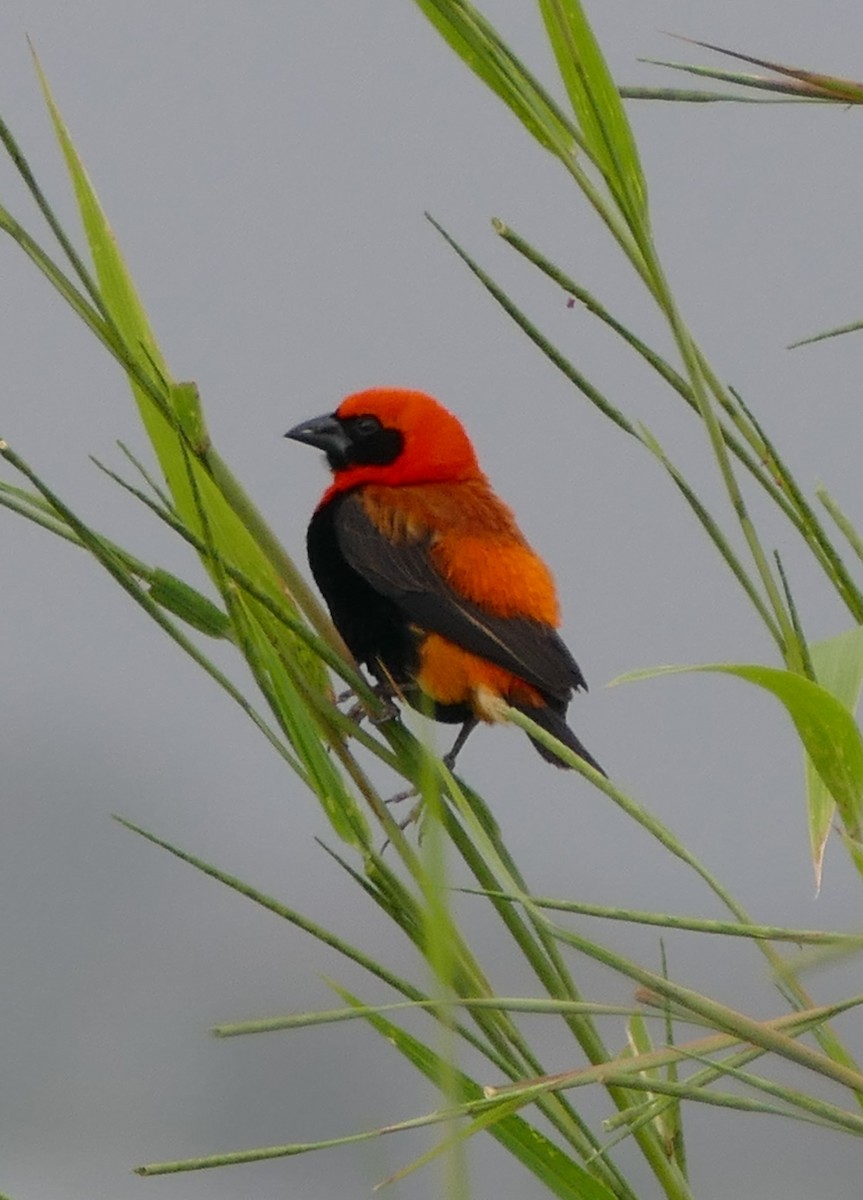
[427,576]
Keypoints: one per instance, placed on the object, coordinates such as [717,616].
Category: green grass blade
[563,364]
[476,43]
[692,96]
[848,91]
[171,415]
[558,1173]
[540,1006]
[783,88]
[773,933]
[597,105]
[854,327]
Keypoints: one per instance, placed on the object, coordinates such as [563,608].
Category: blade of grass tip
[596,102]
[829,333]
[23,168]
[290,1149]
[802,644]
[841,520]
[115,286]
[264,1153]
[831,83]
[593,305]
[563,364]
[160,494]
[798,91]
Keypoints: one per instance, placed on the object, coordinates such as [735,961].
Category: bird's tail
[554,723]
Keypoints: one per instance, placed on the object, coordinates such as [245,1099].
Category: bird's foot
[464,733]
[412,817]
[399,797]
[359,710]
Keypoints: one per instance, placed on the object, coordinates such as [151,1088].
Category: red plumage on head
[436,446]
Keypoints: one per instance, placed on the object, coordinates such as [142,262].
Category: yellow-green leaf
[838,664]
[825,724]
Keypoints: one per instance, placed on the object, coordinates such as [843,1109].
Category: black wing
[405,573]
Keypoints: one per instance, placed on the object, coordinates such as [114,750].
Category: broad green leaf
[825,724]
[838,664]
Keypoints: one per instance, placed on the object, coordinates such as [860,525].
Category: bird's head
[390,436]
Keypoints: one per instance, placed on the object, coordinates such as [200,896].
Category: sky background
[266,168]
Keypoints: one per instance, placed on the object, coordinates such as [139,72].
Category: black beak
[326,433]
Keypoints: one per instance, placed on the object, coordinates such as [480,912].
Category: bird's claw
[359,709]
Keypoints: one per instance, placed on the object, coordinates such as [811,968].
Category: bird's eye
[367,426]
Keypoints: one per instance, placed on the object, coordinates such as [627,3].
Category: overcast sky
[266,167]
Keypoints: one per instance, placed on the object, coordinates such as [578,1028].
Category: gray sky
[266,168]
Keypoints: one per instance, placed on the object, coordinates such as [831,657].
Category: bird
[428,579]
